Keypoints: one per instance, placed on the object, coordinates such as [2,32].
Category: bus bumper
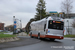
[55,37]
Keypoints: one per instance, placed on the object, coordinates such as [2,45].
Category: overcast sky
[25,9]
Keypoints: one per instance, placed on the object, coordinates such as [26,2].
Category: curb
[73,39]
[2,40]
[21,34]
[22,42]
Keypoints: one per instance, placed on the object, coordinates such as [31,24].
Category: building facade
[1,26]
[68,27]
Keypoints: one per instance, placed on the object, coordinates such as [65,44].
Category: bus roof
[49,18]
[54,18]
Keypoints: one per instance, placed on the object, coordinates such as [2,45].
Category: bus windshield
[55,25]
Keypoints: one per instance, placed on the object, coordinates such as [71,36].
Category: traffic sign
[14,26]
[14,22]
[53,12]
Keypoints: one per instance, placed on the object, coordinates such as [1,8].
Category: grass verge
[2,32]
[73,39]
[71,36]
[27,33]
[6,35]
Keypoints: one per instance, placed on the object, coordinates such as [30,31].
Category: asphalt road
[24,40]
[45,44]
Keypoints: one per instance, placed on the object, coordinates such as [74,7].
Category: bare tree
[73,24]
[66,6]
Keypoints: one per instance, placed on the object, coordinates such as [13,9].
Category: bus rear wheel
[52,39]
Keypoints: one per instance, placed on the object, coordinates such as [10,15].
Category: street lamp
[14,25]
[20,23]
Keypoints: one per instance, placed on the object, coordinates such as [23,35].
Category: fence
[69,30]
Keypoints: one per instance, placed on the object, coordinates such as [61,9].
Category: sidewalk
[19,34]
[22,34]
[11,33]
[70,38]
[22,42]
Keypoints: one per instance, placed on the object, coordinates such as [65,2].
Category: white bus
[49,27]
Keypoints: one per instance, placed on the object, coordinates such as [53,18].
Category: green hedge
[72,36]
[6,35]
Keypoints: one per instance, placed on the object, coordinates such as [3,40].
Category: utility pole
[20,25]
[13,24]
[68,26]
[40,14]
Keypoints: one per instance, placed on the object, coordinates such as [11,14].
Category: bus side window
[44,27]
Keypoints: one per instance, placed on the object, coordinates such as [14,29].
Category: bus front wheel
[31,35]
[38,36]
